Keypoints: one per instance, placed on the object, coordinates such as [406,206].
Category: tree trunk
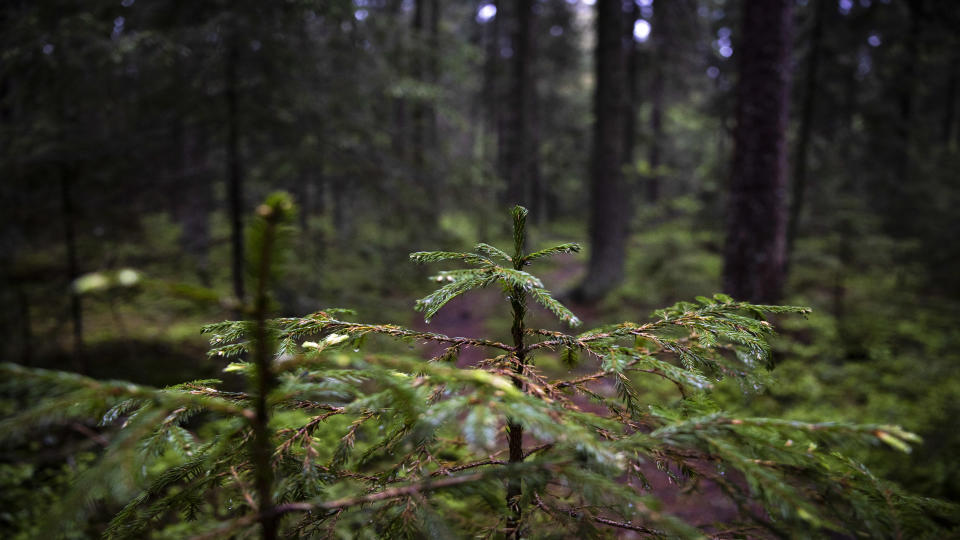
[518,304]
[845,233]
[656,103]
[419,108]
[491,36]
[433,44]
[608,202]
[755,251]
[521,163]
[806,125]
[234,169]
[398,104]
[423,114]
[633,90]
[197,200]
[906,88]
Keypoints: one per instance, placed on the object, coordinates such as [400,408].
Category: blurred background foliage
[137,134]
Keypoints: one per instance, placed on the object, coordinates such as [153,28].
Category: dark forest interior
[263,171]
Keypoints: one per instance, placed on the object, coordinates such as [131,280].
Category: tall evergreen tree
[609,206]
[755,251]
[520,161]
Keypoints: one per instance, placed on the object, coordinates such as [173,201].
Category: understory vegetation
[324,426]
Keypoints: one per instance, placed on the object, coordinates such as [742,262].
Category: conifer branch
[605,521]
[317,326]
[343,503]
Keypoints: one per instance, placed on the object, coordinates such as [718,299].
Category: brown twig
[606,521]
[91,434]
[343,503]
[243,489]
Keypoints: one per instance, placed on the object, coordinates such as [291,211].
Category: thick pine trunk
[755,251]
[609,206]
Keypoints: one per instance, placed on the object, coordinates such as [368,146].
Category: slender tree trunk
[234,168]
[423,115]
[433,44]
[398,104]
[73,267]
[609,206]
[806,126]
[845,240]
[521,163]
[633,89]
[755,250]
[419,108]
[518,302]
[905,100]
[661,25]
[262,447]
[489,99]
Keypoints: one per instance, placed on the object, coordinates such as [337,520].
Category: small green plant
[332,441]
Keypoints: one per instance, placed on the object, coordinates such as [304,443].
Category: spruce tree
[336,435]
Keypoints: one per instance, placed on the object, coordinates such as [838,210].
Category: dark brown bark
[419,108]
[262,448]
[633,89]
[755,250]
[234,168]
[518,302]
[609,206]
[799,180]
[521,166]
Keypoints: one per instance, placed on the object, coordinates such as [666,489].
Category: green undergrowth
[340,428]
